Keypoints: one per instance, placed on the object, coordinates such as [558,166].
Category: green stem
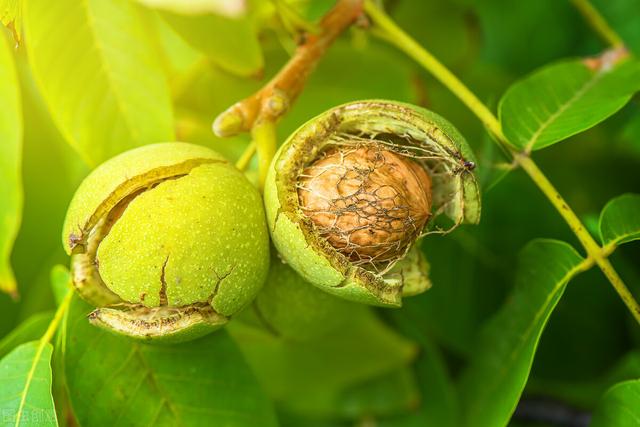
[264,136]
[598,23]
[60,312]
[405,43]
[246,156]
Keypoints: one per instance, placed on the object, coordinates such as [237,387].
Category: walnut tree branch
[274,99]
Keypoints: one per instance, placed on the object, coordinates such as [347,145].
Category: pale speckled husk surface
[198,226]
[124,174]
[202,233]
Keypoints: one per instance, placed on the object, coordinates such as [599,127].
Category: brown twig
[274,99]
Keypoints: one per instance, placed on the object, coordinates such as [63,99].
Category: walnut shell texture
[368,202]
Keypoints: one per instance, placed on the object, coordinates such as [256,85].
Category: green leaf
[10,161]
[492,383]
[11,16]
[620,220]
[230,43]
[563,99]
[115,380]
[179,58]
[44,191]
[25,394]
[619,406]
[31,329]
[99,74]
[594,310]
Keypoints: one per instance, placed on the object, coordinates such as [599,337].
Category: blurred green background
[489,44]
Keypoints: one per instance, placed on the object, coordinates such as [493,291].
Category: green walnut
[351,191]
[292,309]
[168,241]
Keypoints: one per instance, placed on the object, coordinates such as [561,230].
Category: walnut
[368,202]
